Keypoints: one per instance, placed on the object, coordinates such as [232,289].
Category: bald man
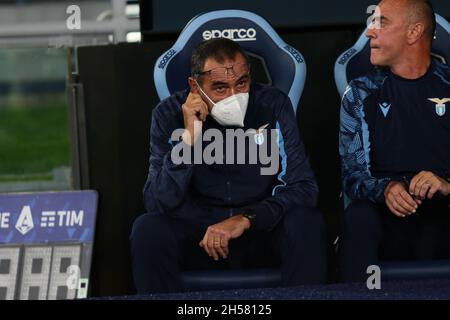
[395,146]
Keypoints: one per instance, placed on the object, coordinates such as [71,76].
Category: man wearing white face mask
[220,215]
[229,111]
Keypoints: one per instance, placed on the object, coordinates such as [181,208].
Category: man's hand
[217,236]
[195,111]
[399,201]
[426,184]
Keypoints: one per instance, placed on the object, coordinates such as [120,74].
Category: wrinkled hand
[399,201]
[425,185]
[217,236]
[195,111]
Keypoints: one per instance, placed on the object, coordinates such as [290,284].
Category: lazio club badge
[259,138]
[440,105]
[258,134]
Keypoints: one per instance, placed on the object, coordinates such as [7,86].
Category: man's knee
[359,240]
[303,247]
[361,232]
[361,215]
[152,230]
[304,224]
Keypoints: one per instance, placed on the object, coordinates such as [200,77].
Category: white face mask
[229,112]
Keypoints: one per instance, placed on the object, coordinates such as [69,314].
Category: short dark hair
[218,48]
[422,10]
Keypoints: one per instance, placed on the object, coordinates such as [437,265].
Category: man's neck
[412,68]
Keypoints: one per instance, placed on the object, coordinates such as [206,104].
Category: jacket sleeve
[167,182]
[296,186]
[354,149]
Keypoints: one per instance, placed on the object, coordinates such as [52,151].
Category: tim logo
[233,34]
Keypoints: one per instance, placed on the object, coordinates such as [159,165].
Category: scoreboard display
[46,242]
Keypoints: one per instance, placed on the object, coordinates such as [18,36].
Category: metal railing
[111,25]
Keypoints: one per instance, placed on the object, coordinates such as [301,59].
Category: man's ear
[193,85]
[415,32]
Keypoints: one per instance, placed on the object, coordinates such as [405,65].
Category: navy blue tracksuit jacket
[213,192]
[392,128]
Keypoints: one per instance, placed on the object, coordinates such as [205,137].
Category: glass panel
[34,132]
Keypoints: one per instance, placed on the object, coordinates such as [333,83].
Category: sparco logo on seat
[233,34]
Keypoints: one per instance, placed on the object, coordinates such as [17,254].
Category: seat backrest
[283,64]
[355,62]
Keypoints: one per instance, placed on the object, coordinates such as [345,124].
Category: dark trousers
[370,233]
[162,247]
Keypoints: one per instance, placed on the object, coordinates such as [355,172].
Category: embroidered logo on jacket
[258,134]
[440,105]
[385,107]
